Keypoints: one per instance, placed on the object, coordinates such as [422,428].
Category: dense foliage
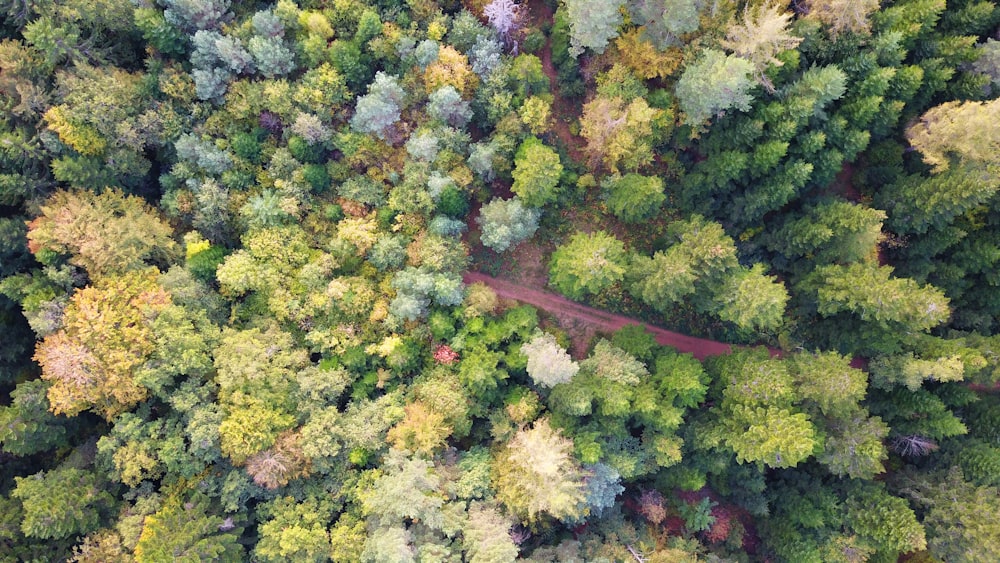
[233,239]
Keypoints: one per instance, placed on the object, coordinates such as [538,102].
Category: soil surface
[603,321]
[563,111]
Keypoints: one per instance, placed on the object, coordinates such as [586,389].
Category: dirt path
[562,110]
[604,321]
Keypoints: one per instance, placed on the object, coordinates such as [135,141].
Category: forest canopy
[494,280]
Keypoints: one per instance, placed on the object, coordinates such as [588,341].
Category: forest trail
[606,322]
[565,309]
[563,111]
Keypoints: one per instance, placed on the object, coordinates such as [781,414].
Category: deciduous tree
[103,233]
[536,173]
[713,84]
[536,474]
[587,264]
[548,363]
[506,223]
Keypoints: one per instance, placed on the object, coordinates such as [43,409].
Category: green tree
[405,488]
[701,253]
[834,231]
[592,23]
[886,520]
[751,299]
[587,264]
[187,531]
[294,530]
[506,223]
[26,425]
[756,417]
[60,503]
[956,515]
[713,84]
[868,291]
[634,198]
[536,173]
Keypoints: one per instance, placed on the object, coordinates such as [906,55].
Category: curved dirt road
[697,347]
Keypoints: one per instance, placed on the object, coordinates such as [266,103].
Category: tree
[619,135]
[756,417]
[186,531]
[666,21]
[761,34]
[271,55]
[918,204]
[592,24]
[406,488]
[446,105]
[192,15]
[701,253]
[855,445]
[93,361]
[828,380]
[867,291]
[587,264]
[281,463]
[422,431]
[294,530]
[451,68]
[486,536]
[536,173]
[988,62]
[843,15]
[506,223]
[963,131]
[26,425]
[751,299]
[536,474]
[885,519]
[504,16]
[548,363]
[378,110]
[103,233]
[956,515]
[713,84]
[60,503]
[634,198]
[834,231]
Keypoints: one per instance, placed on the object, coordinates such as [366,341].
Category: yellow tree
[618,135]
[103,233]
[106,337]
[968,131]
